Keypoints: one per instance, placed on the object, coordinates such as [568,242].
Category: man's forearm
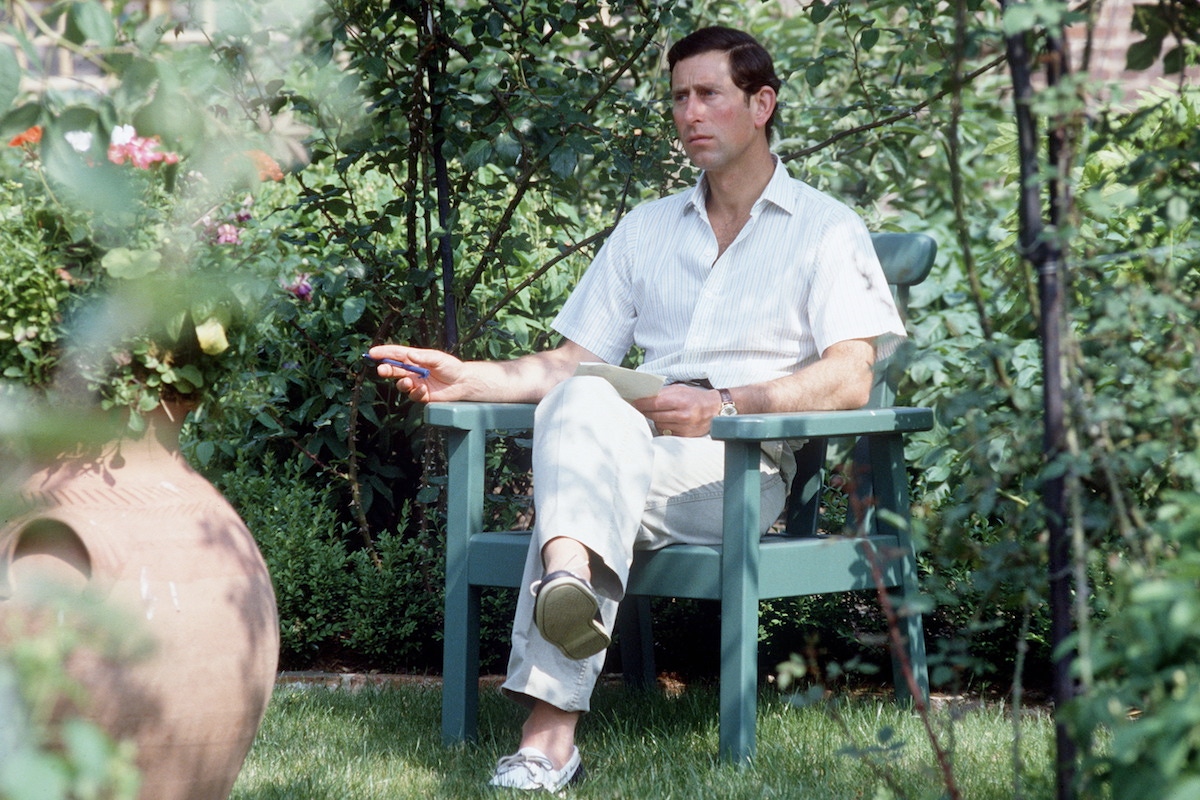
[840,380]
[522,380]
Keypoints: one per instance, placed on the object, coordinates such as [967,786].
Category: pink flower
[301,287]
[228,234]
[143,152]
[243,214]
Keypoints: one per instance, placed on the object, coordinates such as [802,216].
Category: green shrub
[303,544]
[1139,720]
[34,290]
[343,606]
[396,604]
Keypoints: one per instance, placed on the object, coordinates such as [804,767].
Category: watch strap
[727,405]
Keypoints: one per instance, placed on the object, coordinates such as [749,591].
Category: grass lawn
[377,744]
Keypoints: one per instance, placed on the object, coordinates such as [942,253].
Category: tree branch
[902,115]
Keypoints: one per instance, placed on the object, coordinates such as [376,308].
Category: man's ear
[763,104]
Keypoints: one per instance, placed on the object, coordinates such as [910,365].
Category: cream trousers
[604,477]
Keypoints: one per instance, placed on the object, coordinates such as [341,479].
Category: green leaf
[869,38]
[815,74]
[478,156]
[563,161]
[190,374]
[30,776]
[89,747]
[1143,54]
[1019,18]
[819,12]
[488,79]
[89,21]
[10,77]
[204,452]
[121,262]
[1174,61]
[19,119]
[352,309]
[138,82]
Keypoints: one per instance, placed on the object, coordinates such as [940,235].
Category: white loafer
[531,770]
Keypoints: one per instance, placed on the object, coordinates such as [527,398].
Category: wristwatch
[728,409]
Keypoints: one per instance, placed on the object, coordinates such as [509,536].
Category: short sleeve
[851,298]
[600,313]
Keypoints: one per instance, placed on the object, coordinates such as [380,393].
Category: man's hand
[680,410]
[446,373]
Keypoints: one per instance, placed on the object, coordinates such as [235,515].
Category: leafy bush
[35,290]
[301,540]
[396,604]
[339,607]
[136,189]
[1140,718]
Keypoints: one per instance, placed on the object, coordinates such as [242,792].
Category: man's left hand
[679,410]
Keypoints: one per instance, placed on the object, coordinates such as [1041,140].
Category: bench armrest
[742,427]
[467,416]
[820,424]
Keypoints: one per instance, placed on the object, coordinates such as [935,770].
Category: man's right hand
[445,372]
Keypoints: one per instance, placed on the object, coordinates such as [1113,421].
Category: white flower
[80,141]
[122,134]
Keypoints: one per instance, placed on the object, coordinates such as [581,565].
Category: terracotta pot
[135,528]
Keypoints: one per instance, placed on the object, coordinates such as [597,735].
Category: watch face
[728,410]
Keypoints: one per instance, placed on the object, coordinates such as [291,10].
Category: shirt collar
[776,192]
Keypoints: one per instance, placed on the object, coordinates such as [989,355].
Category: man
[751,292]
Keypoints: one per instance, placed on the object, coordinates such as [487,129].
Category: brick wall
[1110,43]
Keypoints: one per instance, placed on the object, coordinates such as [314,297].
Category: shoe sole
[565,613]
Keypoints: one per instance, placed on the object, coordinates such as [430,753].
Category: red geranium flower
[28,136]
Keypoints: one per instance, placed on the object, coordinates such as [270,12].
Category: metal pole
[1045,253]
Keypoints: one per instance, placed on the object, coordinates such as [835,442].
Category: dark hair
[750,65]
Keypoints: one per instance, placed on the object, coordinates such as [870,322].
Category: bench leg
[460,666]
[635,630]
[890,479]
[739,602]
[912,631]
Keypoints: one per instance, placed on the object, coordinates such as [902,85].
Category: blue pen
[424,373]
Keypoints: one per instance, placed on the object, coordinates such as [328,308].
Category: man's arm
[841,379]
[522,380]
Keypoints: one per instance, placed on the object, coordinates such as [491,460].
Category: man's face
[716,121]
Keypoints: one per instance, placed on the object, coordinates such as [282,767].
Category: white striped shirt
[800,276]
